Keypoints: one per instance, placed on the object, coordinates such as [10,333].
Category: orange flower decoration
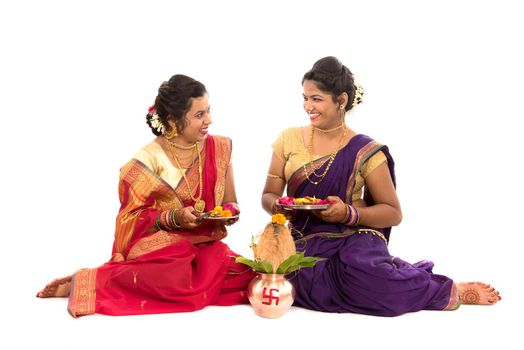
[278,219]
[219,211]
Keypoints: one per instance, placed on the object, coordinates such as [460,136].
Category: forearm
[379,216]
[268,200]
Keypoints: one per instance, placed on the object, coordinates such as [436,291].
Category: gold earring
[342,107]
[170,134]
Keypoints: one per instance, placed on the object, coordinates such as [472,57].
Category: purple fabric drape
[335,183]
[359,274]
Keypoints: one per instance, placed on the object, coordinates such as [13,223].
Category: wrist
[275,207]
[353,216]
[346,215]
[167,220]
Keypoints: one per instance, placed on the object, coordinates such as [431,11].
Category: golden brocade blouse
[290,148]
[154,157]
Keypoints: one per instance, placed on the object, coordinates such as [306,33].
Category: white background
[443,84]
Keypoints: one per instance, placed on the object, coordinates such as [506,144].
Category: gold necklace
[200,205]
[326,131]
[190,158]
[331,159]
[177,145]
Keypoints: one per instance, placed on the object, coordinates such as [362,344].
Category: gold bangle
[174,218]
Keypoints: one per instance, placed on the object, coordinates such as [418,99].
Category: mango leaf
[292,260]
[308,261]
[292,263]
[257,265]
[263,266]
[245,261]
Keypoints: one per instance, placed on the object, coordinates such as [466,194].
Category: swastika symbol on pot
[268,298]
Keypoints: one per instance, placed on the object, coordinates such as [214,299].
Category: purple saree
[359,275]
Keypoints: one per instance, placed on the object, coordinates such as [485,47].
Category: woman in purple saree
[356,174]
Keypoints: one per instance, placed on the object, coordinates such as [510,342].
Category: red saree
[164,272]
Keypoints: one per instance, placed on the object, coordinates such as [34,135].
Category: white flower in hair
[359,92]
[156,123]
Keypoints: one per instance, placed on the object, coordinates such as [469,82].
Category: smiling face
[324,113]
[197,119]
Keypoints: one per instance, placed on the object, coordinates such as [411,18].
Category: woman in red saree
[166,257]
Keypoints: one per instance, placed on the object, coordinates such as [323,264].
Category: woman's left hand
[336,212]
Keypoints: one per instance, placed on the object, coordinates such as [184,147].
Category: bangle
[166,220]
[157,223]
[160,223]
[346,217]
[172,218]
[353,218]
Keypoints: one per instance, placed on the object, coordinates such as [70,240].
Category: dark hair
[174,101]
[332,77]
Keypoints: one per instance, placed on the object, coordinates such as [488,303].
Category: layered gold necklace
[200,205]
[313,168]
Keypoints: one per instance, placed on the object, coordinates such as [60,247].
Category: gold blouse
[154,157]
[290,148]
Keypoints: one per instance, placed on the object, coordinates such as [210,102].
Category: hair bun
[329,64]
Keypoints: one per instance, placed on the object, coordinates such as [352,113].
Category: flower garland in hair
[359,92]
[155,121]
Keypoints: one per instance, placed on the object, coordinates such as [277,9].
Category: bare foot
[477,293]
[57,288]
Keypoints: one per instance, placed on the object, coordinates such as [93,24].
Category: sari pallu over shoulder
[144,195]
[358,274]
[164,272]
[339,181]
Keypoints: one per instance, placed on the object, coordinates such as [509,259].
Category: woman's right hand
[187,217]
[277,208]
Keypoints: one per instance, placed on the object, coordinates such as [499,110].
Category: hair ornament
[359,92]
[155,121]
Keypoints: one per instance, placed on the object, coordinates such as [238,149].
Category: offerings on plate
[220,213]
[304,203]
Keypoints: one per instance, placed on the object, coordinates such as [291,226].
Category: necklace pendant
[200,205]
